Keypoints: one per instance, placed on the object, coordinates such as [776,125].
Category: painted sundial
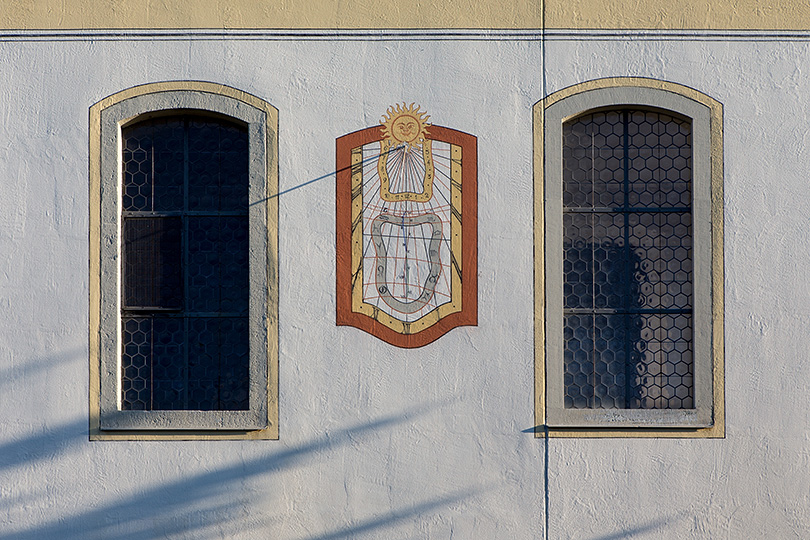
[406,228]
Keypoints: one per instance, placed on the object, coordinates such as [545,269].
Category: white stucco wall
[375,441]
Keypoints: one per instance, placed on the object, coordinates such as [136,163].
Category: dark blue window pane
[152,263]
[627,260]
[185,265]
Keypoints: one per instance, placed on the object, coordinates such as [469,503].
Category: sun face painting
[407,229]
[405,124]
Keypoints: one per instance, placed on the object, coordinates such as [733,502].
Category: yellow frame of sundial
[358,305]
[382,169]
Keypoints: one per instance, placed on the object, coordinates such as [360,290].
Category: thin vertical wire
[544,90]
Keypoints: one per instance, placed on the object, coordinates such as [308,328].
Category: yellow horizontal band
[679,14]
[395,14]
[242,14]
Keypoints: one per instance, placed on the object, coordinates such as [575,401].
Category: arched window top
[629,236]
[184,295]
[160,115]
[635,91]
[185,162]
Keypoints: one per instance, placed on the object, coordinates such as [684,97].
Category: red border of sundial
[468,316]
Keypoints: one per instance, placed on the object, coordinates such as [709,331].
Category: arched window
[186,304]
[631,240]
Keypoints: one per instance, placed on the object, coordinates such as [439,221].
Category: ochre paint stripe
[395,14]
[678,14]
[290,14]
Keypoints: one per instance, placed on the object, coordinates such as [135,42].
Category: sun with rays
[404,124]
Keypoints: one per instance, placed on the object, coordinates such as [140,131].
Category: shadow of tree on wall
[44,445]
[658,524]
[204,505]
[49,441]
[10,376]
[390,518]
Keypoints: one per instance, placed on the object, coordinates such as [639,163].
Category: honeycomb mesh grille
[627,261]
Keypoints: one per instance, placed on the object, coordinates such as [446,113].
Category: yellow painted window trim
[95,181]
[717,430]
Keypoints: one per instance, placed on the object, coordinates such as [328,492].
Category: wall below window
[375,441]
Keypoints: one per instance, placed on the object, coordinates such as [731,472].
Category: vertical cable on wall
[544,93]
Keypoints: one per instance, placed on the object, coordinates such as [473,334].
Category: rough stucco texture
[378,442]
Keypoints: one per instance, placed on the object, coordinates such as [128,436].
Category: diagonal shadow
[47,442]
[9,376]
[630,533]
[44,445]
[391,518]
[193,505]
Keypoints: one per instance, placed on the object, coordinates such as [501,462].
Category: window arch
[629,257]
[183,239]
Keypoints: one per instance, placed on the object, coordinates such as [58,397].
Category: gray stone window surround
[113,119]
[558,112]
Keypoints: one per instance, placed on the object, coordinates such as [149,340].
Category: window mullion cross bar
[219,270]
[184,243]
[628,271]
[152,279]
[151,363]
[593,270]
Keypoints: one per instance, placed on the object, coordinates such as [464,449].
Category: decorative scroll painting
[407,229]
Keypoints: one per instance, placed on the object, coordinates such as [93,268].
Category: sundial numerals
[400,226]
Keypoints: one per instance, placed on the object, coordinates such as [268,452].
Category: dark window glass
[185,265]
[627,261]
[152,263]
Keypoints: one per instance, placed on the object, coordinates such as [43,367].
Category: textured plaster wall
[378,442]
[755,482]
